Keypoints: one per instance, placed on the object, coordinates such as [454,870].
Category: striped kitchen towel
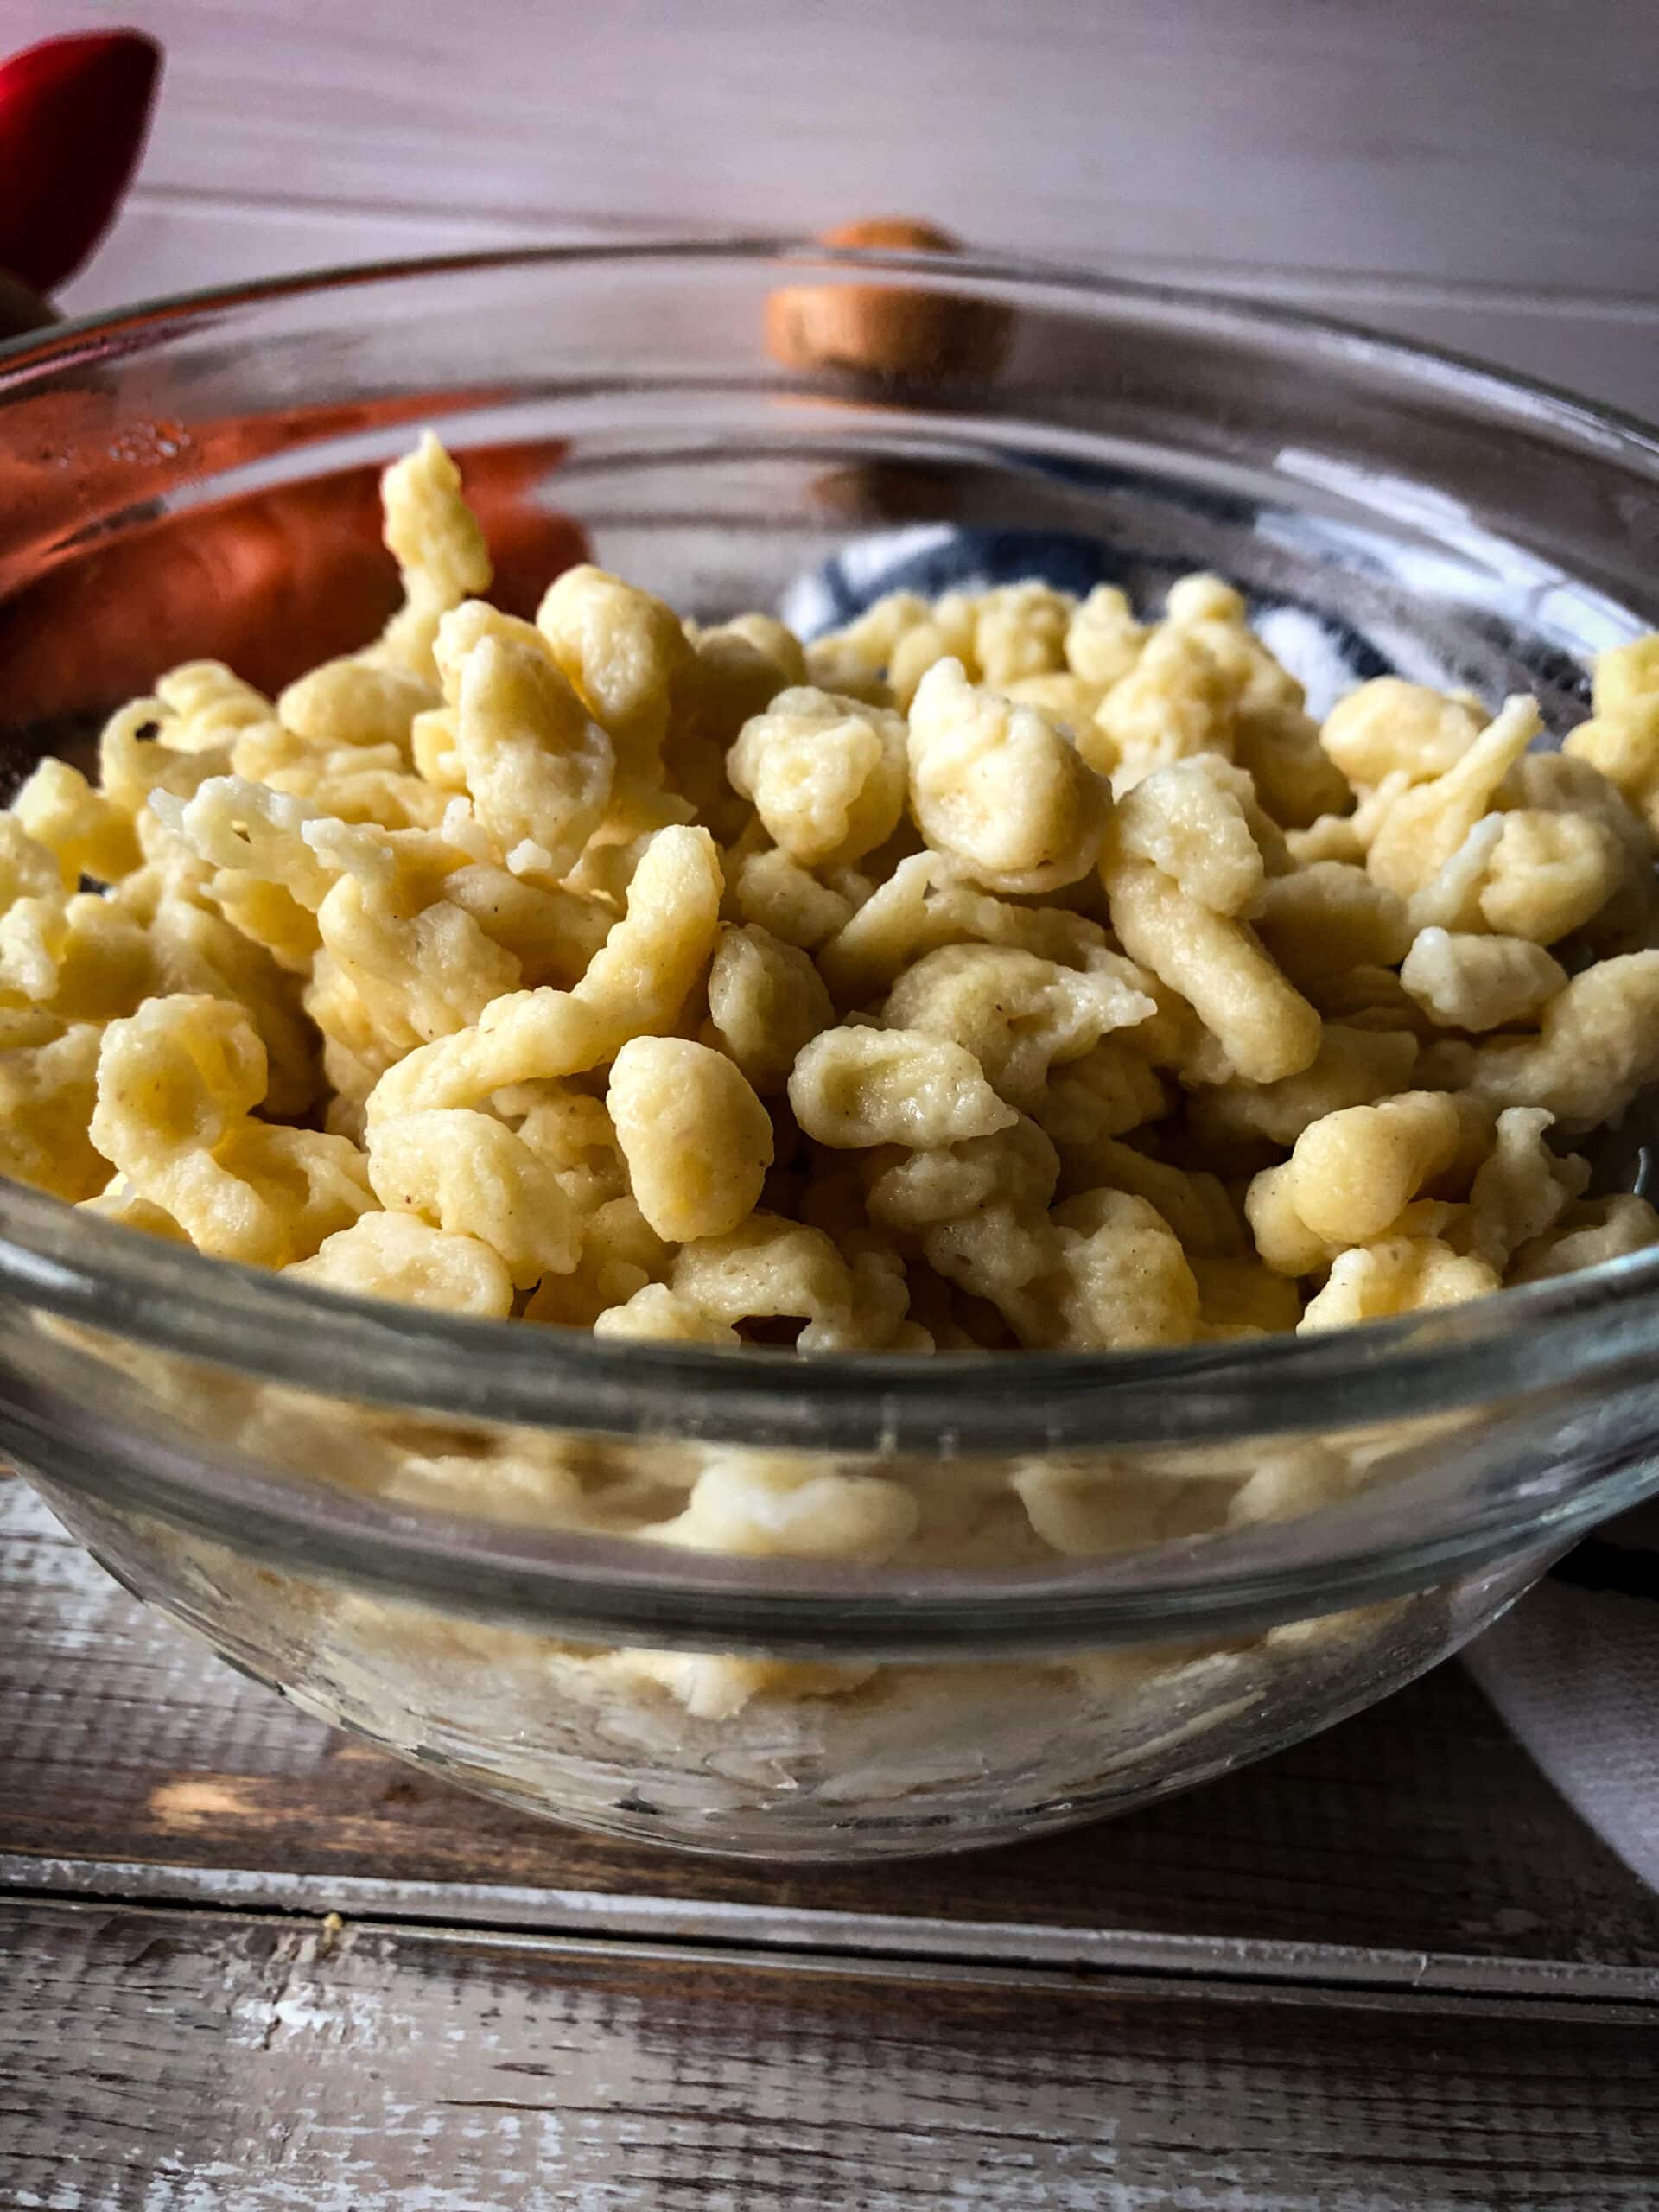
[1574,1670]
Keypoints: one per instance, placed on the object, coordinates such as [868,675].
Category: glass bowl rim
[1551,1335]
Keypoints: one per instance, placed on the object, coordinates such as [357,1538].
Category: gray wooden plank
[186,2063]
[1491,141]
[1244,1966]
[1419,1827]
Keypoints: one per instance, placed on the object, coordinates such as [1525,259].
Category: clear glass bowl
[1085,1621]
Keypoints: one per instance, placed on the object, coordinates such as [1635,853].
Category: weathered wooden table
[253,1964]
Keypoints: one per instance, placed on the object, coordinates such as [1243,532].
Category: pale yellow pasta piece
[621,1253]
[1323,920]
[468,1174]
[1266,1028]
[122,1205]
[637,811]
[766,1002]
[1549,874]
[869,641]
[628,657]
[1018,1015]
[1103,639]
[769,1269]
[551,931]
[245,830]
[47,1092]
[432,749]
[923,904]
[833,666]
[176,1085]
[1173,701]
[1450,898]
[880,1300]
[136,755]
[1597,1045]
[1295,785]
[1092,1509]
[635,986]
[1375,998]
[395,1256]
[1193,1202]
[1272,738]
[34,921]
[369,784]
[765,634]
[734,679]
[1560,783]
[697,1140]
[1329,837]
[1403,1275]
[1191,820]
[538,769]
[574,1133]
[1120,1281]
[1289,1483]
[1622,743]
[1427,823]
[1206,597]
[945,632]
[435,539]
[1391,728]
[1352,1173]
[997,787]
[522,1037]
[420,971]
[1013,1169]
[1109,1090]
[1584,1235]
[852,1087]
[88,833]
[1071,700]
[642,973]
[1522,1188]
[655,1314]
[191,951]
[1479,983]
[1237,1293]
[459,634]
[1625,675]
[1019,630]
[107,965]
[779,895]
[353,702]
[827,775]
[211,704]
[761,1506]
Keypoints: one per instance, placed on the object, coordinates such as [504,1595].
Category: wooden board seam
[878,1942]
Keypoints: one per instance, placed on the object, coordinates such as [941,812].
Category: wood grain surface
[1420,1826]
[1494,142]
[310,2068]
[253,1965]
[1480,176]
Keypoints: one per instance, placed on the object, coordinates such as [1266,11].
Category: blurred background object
[1479,177]
[886,330]
[74,112]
